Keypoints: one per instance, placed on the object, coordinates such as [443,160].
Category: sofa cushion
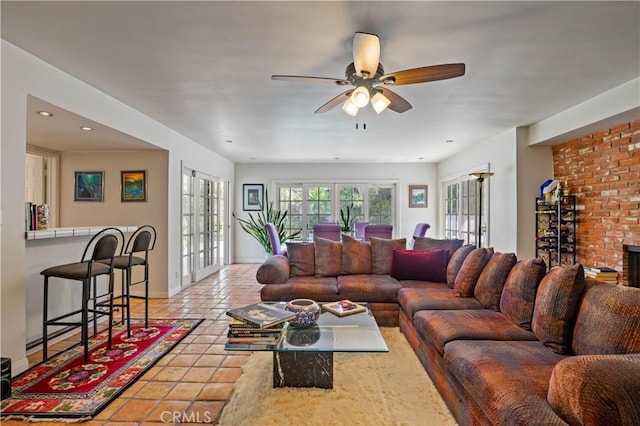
[316,288]
[427,243]
[455,263]
[492,278]
[508,380]
[413,300]
[274,270]
[556,307]
[356,256]
[419,265]
[438,328]
[328,257]
[382,253]
[608,321]
[368,288]
[471,269]
[519,292]
[301,258]
[596,390]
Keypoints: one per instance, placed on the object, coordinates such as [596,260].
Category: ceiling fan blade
[366,54]
[424,74]
[304,79]
[398,103]
[342,97]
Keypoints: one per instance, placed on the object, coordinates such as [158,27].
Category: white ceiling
[203,68]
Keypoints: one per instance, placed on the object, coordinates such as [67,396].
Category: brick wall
[603,171]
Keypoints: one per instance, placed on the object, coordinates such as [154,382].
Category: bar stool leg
[95,307]
[146,295]
[44,319]
[111,286]
[123,291]
[85,316]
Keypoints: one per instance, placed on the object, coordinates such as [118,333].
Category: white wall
[23,75]
[248,250]
[499,154]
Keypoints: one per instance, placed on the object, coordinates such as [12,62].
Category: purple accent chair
[272,232]
[378,231]
[329,231]
[359,228]
[421,230]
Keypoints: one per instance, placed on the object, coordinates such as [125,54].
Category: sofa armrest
[596,389]
[274,270]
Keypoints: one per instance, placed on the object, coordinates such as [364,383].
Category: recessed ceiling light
[229,141]
[449,141]
[45,113]
[420,158]
[87,128]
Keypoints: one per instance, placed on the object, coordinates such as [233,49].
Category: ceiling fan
[366,73]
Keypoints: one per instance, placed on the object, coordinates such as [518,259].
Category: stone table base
[303,369]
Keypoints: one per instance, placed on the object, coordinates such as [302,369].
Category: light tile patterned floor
[192,382]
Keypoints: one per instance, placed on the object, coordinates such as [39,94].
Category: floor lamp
[480,176]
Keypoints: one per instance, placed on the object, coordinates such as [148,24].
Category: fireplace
[633,265]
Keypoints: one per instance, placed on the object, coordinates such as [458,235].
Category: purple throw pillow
[420,265]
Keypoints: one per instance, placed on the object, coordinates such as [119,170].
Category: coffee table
[303,357]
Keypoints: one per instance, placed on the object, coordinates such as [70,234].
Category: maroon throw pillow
[419,265]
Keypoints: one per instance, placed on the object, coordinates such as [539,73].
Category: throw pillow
[519,292]
[426,243]
[382,253]
[356,256]
[556,307]
[419,265]
[455,263]
[301,258]
[492,278]
[470,270]
[328,257]
[608,321]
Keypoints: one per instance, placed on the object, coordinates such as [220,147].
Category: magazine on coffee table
[344,307]
[261,315]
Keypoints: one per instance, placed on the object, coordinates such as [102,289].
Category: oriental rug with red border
[65,387]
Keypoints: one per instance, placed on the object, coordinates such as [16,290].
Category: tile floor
[192,382]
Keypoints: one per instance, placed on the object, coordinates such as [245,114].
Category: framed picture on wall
[418,195]
[252,196]
[88,186]
[133,185]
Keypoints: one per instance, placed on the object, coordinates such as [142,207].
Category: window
[309,204]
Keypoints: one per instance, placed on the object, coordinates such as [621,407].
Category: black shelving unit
[556,230]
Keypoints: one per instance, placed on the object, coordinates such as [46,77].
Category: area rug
[65,388]
[368,389]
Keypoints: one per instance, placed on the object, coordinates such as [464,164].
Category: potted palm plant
[254,226]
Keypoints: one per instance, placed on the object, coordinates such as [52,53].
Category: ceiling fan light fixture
[366,54]
[350,108]
[360,97]
[379,102]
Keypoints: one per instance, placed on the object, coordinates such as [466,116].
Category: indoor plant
[254,226]
[345,218]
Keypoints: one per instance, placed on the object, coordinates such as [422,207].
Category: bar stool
[105,244]
[136,253]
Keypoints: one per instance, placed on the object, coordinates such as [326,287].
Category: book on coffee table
[261,315]
[344,307]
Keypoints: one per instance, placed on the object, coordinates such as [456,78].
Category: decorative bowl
[307,312]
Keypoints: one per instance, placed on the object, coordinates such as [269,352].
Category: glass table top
[351,333]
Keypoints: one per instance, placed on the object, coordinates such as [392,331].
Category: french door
[204,236]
